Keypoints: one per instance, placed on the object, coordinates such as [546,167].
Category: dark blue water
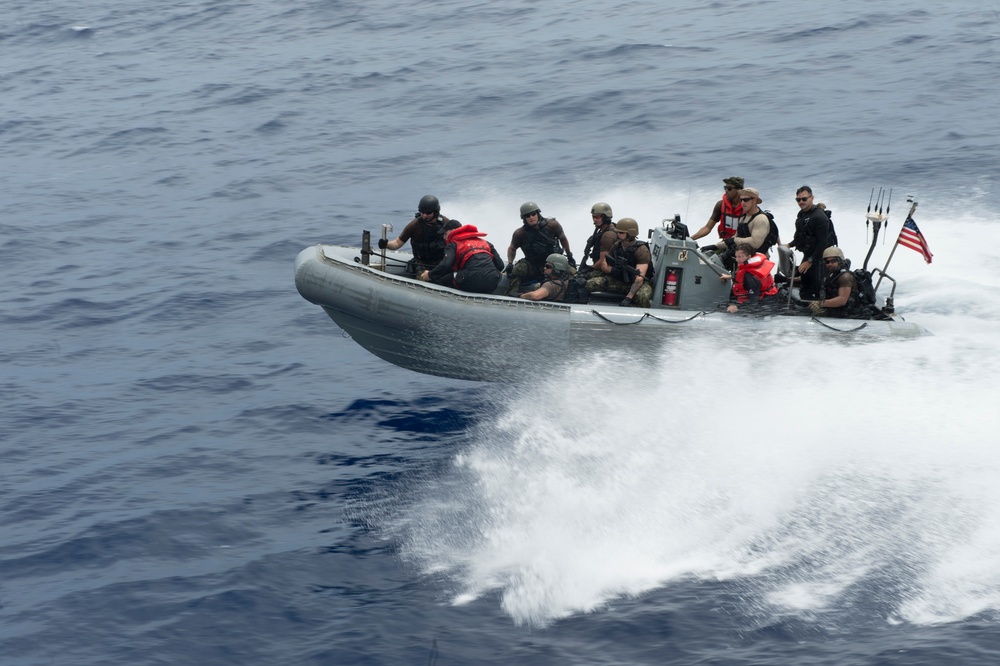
[198,467]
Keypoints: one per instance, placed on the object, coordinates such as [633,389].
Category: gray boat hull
[441,331]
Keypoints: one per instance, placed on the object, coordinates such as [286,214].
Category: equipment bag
[576,290]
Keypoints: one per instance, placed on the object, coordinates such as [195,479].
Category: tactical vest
[539,243]
[628,255]
[428,246]
[593,250]
[831,290]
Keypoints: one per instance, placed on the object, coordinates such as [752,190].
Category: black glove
[730,243]
[509,269]
[626,303]
[571,260]
[382,243]
[707,248]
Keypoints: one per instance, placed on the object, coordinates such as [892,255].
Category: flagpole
[909,216]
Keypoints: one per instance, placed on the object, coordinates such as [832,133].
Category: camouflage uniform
[643,297]
[524,272]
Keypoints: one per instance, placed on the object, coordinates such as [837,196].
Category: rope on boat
[839,330]
[676,321]
[644,315]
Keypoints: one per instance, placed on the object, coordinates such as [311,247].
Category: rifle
[619,263]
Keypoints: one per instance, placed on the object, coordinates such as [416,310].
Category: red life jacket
[729,218]
[468,241]
[760,267]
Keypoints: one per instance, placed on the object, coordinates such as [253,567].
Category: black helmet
[429,204]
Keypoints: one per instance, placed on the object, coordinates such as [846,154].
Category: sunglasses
[801,199]
[831,260]
[729,188]
[746,199]
[547,265]
[525,217]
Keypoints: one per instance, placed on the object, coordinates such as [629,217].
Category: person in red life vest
[470,263]
[555,281]
[753,281]
[727,212]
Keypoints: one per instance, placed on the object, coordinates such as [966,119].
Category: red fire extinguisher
[670,289]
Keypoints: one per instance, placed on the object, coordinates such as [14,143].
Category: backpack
[772,235]
[832,240]
[866,290]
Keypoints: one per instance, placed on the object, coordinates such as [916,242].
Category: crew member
[840,288]
[425,233]
[727,211]
[601,241]
[628,268]
[537,238]
[470,263]
[753,226]
[812,237]
[555,282]
[753,281]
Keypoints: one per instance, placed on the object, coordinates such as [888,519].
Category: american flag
[910,236]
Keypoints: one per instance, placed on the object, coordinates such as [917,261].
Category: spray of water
[819,476]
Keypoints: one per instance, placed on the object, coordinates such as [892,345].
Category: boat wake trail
[823,482]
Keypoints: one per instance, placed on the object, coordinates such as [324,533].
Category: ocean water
[197,466]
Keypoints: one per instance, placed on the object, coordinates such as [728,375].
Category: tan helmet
[560,264]
[833,251]
[629,226]
[601,208]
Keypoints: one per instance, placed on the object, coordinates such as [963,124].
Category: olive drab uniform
[619,281]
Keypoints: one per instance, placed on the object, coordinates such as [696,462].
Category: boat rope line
[675,321]
[644,315]
[840,330]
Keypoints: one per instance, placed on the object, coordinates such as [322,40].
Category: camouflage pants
[643,298]
[523,274]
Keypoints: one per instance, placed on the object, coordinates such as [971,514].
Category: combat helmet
[560,264]
[529,207]
[602,209]
[833,251]
[629,226]
[429,204]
